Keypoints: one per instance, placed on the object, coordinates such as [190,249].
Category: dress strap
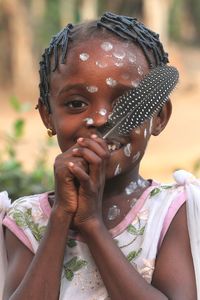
[4,205]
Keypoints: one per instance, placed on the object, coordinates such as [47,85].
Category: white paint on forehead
[132,58]
[92,88]
[128,150]
[140,71]
[89,121]
[101,64]
[119,54]
[106,46]
[111,82]
[84,56]
[119,63]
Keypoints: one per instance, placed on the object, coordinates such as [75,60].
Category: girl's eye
[76,105]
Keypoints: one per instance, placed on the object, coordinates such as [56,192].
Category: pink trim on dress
[128,219]
[173,209]
[117,230]
[18,232]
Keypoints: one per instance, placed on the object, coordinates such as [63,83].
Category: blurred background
[26,26]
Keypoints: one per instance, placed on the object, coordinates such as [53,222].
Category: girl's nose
[98,118]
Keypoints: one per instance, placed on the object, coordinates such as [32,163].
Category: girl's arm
[37,277]
[174,274]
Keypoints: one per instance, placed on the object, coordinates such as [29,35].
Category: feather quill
[141,103]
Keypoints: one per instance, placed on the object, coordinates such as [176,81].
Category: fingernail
[75,150]
[80,139]
[70,164]
[94,136]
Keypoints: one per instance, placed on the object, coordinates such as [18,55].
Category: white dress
[139,236]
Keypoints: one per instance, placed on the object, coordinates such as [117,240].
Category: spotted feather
[141,103]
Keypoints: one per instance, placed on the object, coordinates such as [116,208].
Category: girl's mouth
[114,145]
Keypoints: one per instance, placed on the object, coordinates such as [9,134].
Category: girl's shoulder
[27,218]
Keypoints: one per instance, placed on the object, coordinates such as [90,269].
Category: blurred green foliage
[13,176]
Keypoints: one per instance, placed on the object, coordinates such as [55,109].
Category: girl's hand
[95,153]
[66,185]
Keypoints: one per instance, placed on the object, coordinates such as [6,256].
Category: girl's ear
[162,118]
[46,116]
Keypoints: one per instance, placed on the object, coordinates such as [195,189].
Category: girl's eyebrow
[68,87]
[83,85]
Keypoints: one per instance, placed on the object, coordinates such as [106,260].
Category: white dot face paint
[150,126]
[132,58]
[89,121]
[84,56]
[133,202]
[137,130]
[92,89]
[102,111]
[128,150]
[135,83]
[136,156]
[119,64]
[113,212]
[140,71]
[101,65]
[117,170]
[131,187]
[107,46]
[111,82]
[119,54]
[145,133]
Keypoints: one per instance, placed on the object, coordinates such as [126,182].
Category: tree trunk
[67,11]
[19,31]
[89,9]
[156,16]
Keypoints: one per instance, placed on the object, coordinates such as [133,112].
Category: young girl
[104,232]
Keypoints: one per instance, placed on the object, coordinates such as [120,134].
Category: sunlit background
[25,29]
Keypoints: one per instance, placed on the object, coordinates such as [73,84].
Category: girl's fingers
[80,174]
[95,144]
[96,163]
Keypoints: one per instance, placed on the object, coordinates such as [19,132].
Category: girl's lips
[114,145]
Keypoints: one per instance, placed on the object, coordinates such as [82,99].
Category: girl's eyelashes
[76,105]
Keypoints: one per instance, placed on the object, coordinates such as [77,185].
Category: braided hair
[126,28]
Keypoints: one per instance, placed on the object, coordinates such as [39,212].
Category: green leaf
[155,192]
[71,243]
[15,103]
[69,274]
[19,128]
[166,187]
[71,263]
[19,219]
[133,254]
[79,265]
[131,229]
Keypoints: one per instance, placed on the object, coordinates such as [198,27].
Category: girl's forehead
[108,60]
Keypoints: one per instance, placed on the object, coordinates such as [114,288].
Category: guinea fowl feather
[140,104]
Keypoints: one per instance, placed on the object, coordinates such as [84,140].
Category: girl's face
[83,92]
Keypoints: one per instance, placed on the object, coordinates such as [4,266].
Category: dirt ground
[177,147]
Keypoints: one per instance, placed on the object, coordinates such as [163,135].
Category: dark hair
[124,27]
